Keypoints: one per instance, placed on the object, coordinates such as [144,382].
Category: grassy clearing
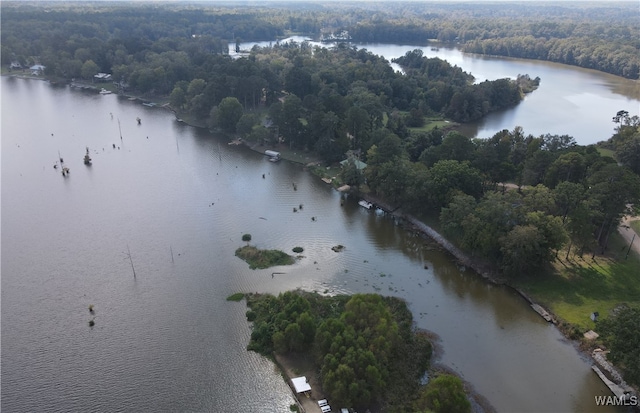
[606,152]
[330,172]
[263,258]
[581,286]
[190,119]
[432,123]
[636,227]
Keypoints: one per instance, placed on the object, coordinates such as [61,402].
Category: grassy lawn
[636,227]
[606,152]
[581,286]
[433,122]
[331,172]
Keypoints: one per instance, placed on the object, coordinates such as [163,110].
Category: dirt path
[294,365]
[628,233]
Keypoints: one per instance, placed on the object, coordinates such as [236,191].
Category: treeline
[616,58]
[364,346]
[567,196]
[597,36]
[626,141]
[149,47]
[600,37]
[33,28]
[170,50]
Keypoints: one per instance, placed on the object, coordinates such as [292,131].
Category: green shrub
[263,258]
[445,394]
[235,297]
[298,250]
[246,237]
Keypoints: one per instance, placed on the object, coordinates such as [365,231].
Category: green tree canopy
[621,331]
[227,114]
[448,176]
[444,394]
[89,68]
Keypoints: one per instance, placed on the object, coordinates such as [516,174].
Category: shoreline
[594,355]
[414,225]
[590,351]
[295,365]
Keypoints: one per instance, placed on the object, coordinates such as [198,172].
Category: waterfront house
[37,70]
[102,77]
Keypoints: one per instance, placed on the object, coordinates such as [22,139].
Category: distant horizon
[260,2]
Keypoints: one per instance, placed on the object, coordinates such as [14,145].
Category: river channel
[147,236]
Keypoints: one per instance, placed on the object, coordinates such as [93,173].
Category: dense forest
[591,35]
[365,348]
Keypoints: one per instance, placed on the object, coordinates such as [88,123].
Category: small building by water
[273,155]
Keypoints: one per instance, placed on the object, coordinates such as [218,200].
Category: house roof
[359,164]
[300,384]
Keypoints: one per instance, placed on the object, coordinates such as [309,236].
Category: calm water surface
[180,199]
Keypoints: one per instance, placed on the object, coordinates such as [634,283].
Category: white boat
[273,155]
[104,91]
[365,204]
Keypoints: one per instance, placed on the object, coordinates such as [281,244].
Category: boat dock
[543,313]
[619,391]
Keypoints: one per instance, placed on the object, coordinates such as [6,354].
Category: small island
[257,258]
[359,352]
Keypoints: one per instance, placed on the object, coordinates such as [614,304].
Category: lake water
[570,100]
[179,199]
